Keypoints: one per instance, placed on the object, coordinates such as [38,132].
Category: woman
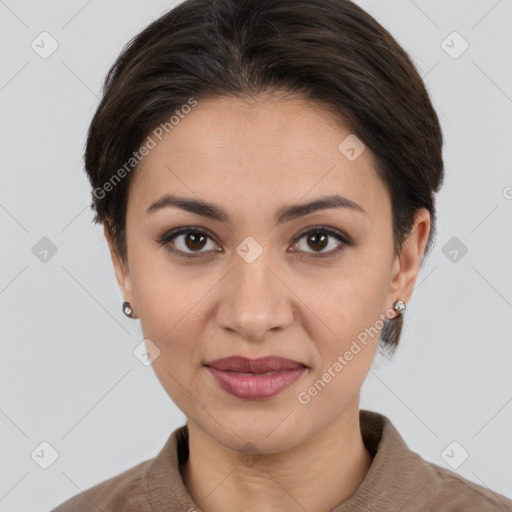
[265,173]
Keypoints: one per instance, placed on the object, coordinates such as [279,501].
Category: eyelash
[171,235]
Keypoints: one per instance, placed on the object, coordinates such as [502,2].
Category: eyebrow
[284,214]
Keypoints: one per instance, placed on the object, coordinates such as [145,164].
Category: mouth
[260,365]
[255,379]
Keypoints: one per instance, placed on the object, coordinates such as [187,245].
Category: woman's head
[256,106]
[330,51]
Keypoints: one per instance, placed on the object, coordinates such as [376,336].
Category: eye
[184,239]
[188,242]
[318,238]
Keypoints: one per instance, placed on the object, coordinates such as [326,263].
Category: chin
[257,431]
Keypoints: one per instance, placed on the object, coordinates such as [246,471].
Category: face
[267,278]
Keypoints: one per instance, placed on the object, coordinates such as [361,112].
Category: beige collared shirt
[399,480]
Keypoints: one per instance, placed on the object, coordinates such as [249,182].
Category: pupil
[320,245]
[196,238]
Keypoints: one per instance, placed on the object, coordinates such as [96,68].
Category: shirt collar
[396,476]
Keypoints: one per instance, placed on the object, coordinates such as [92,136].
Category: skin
[252,158]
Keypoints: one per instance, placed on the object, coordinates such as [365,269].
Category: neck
[318,474]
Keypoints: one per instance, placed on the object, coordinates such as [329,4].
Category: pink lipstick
[255,379]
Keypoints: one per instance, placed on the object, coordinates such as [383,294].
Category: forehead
[274,149]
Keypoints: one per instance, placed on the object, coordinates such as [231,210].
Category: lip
[255,379]
[260,365]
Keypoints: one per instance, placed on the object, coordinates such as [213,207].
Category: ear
[121,269]
[408,261]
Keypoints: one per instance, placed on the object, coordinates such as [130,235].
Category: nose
[255,300]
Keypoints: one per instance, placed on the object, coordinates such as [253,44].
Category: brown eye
[195,241]
[187,242]
[317,241]
[320,238]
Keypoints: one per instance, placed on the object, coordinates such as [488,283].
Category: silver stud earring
[127,309]
[399,306]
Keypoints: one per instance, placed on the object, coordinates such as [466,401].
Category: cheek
[165,294]
[172,316]
[345,354]
[172,309]
[349,313]
[172,313]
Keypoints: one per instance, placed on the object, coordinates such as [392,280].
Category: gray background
[68,374]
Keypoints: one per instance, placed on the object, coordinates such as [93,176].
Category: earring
[127,309]
[399,306]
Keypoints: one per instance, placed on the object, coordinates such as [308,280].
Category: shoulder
[401,479]
[126,489]
[141,487]
[456,493]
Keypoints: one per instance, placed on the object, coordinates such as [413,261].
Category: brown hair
[327,51]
